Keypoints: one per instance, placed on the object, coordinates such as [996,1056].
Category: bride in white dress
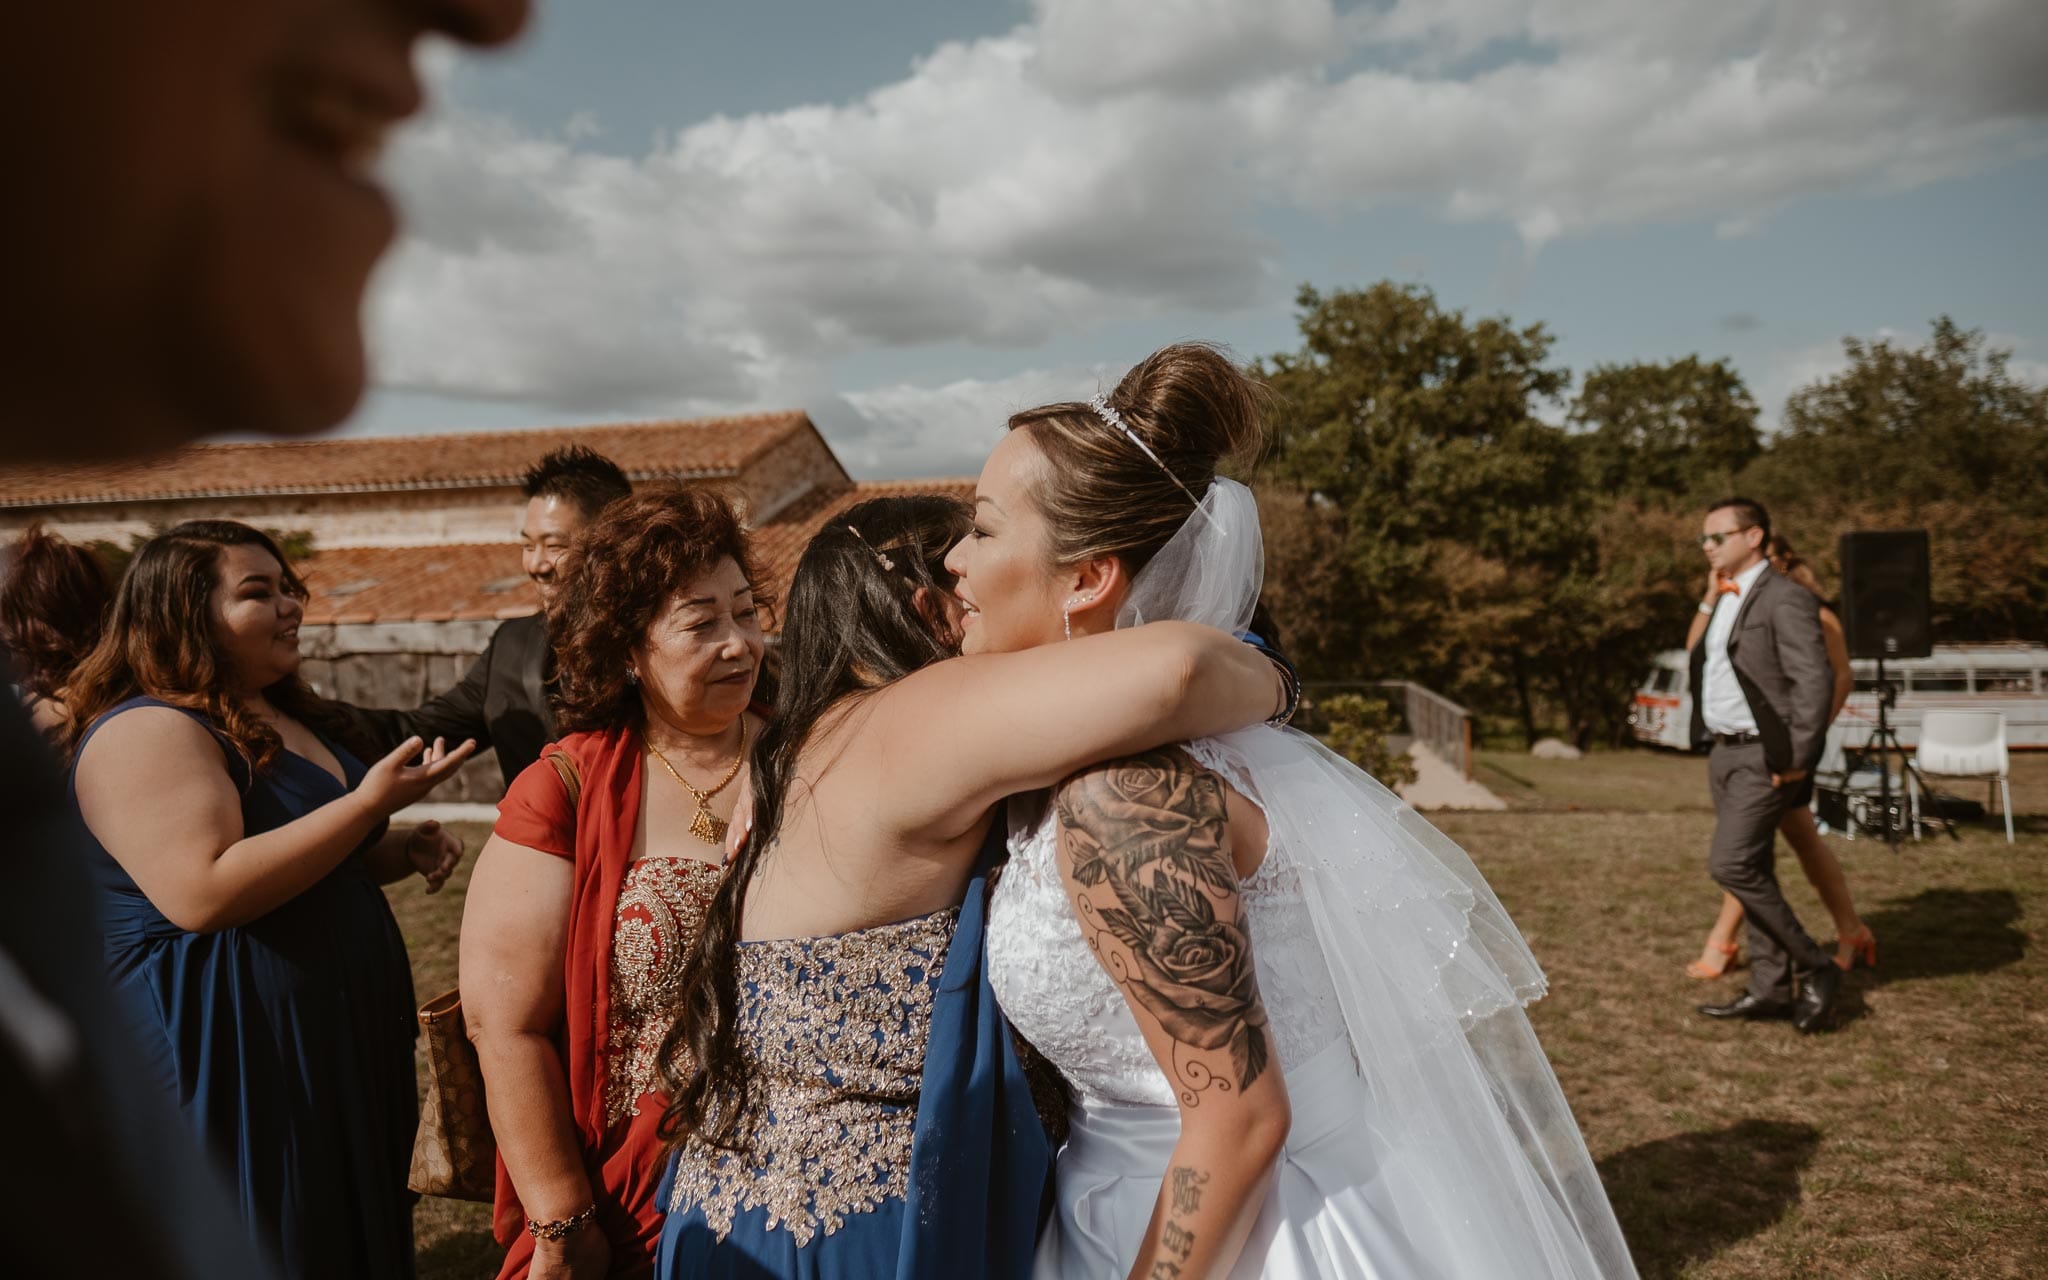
[1290,1011]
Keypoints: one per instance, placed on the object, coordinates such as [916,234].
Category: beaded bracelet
[560,1227]
[1290,684]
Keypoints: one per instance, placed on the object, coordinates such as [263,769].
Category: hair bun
[1191,400]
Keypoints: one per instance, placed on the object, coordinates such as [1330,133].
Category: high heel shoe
[1858,947]
[1703,970]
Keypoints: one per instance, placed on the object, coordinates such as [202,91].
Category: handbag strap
[565,768]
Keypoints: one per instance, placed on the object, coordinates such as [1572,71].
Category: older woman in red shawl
[590,892]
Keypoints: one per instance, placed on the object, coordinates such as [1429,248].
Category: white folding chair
[1966,744]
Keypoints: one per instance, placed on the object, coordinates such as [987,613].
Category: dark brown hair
[1101,495]
[160,642]
[854,626]
[1779,547]
[1749,512]
[53,608]
[624,568]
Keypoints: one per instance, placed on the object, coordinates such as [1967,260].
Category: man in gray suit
[1761,695]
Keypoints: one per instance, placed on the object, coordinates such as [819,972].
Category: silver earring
[632,676]
[1067,615]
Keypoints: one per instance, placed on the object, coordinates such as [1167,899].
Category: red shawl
[532,814]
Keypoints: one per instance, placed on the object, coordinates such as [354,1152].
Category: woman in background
[1853,939]
[53,606]
[240,849]
[583,906]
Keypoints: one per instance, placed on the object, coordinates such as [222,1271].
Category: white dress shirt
[1722,705]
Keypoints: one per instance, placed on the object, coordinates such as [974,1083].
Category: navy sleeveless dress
[892,1134]
[286,1041]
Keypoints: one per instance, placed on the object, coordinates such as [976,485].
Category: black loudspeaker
[1884,594]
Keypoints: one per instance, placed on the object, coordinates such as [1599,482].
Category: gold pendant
[707,827]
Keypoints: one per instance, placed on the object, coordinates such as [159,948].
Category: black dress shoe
[1815,1007]
[1748,1005]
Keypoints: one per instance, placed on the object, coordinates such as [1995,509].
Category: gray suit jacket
[1781,662]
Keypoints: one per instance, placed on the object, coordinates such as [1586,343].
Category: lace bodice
[661,909]
[835,1029]
[1059,997]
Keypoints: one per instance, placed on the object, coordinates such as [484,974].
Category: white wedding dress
[1429,1139]
[1325,1214]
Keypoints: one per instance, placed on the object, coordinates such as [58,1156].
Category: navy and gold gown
[890,1131]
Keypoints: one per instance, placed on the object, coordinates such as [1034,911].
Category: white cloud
[1106,160]
[908,430]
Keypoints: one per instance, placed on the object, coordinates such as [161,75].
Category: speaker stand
[1884,739]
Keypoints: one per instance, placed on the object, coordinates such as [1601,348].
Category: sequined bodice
[1058,996]
[835,1030]
[661,909]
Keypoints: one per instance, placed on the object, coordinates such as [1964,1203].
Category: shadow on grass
[1941,932]
[1685,1198]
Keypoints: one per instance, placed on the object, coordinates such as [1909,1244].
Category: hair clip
[888,565]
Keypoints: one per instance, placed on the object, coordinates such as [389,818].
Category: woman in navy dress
[240,852]
[853,1106]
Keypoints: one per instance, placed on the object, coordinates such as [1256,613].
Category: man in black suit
[1762,689]
[503,701]
[192,232]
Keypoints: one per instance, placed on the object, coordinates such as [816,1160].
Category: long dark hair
[160,642]
[53,609]
[853,625]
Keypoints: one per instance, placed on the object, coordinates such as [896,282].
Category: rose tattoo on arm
[1155,890]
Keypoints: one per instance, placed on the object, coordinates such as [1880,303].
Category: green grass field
[1907,1143]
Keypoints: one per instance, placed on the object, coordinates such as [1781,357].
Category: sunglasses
[1716,539]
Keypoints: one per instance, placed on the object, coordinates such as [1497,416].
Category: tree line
[1442,504]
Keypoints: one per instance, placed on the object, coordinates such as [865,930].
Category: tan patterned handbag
[454,1154]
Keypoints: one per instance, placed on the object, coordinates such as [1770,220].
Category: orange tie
[1729,587]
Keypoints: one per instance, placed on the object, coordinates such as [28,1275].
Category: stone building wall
[403,665]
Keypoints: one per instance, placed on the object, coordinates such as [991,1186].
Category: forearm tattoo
[1183,1195]
[1152,829]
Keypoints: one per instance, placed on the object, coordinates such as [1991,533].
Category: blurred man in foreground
[190,227]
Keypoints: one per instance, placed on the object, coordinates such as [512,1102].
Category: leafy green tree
[1659,432]
[1409,428]
[1946,421]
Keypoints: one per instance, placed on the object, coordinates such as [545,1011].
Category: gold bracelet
[560,1227]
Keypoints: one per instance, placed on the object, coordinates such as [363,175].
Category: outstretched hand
[434,851]
[392,783]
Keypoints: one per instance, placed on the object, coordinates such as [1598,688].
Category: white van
[2010,677]
[1662,714]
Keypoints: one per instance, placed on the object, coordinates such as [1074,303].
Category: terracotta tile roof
[682,449]
[417,584]
[436,584]
[780,543]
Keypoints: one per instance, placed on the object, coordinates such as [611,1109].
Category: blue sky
[913,219]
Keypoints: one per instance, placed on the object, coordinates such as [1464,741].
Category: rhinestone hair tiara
[1107,412]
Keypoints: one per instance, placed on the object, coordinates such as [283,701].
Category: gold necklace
[707,826]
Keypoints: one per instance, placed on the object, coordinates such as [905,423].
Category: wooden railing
[1431,719]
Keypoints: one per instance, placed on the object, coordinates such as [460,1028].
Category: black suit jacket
[502,702]
[1781,661]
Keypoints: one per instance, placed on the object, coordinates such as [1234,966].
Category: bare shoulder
[162,739]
